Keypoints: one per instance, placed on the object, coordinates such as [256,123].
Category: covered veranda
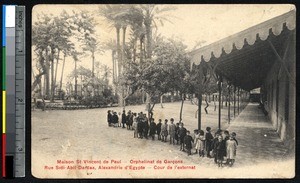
[262,56]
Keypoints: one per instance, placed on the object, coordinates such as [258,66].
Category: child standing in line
[134,126]
[181,135]
[172,131]
[234,138]
[176,133]
[220,149]
[214,141]
[208,141]
[158,129]
[152,128]
[231,147]
[188,140]
[197,142]
[201,143]
[164,131]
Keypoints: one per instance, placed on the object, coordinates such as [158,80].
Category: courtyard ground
[84,135]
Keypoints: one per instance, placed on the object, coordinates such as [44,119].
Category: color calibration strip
[13,134]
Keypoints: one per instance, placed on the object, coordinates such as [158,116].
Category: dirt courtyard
[79,144]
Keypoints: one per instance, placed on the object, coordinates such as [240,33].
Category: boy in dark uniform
[123,119]
[109,118]
[115,119]
[220,149]
[146,126]
[181,135]
[152,128]
[208,141]
[176,133]
[140,125]
[158,129]
[188,140]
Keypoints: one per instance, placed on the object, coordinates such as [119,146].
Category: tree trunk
[161,101]
[134,50]
[52,76]
[114,65]
[62,72]
[118,50]
[93,71]
[181,108]
[56,69]
[172,96]
[119,90]
[37,78]
[205,108]
[123,48]
[47,78]
[150,109]
[141,50]
[75,86]
[147,23]
[199,110]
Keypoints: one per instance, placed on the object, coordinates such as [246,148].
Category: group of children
[222,146]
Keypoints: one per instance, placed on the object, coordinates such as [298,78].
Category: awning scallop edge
[249,35]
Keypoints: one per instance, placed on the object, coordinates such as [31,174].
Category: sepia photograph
[163,91]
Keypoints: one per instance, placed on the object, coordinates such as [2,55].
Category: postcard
[163,91]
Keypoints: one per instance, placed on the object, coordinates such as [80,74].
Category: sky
[190,24]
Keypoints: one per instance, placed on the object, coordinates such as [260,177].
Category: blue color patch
[3,25]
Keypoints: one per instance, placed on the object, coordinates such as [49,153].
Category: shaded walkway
[258,140]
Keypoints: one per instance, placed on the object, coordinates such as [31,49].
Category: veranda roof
[244,58]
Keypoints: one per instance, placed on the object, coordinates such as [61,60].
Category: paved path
[258,140]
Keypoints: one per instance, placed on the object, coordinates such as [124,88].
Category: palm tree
[153,14]
[68,49]
[117,16]
[111,45]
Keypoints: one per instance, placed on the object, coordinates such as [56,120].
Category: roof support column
[220,96]
[228,104]
[199,110]
[200,96]
[238,94]
[234,99]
